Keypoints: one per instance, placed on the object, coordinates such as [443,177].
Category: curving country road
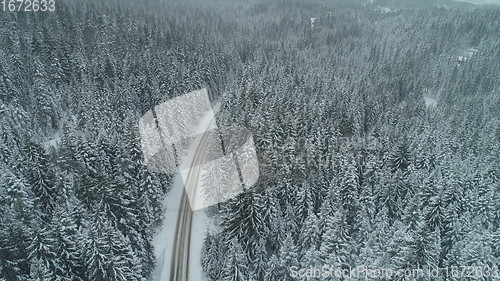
[179,268]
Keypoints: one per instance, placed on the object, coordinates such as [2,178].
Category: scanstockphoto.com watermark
[365,273]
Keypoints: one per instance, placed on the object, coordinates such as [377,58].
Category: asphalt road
[179,268]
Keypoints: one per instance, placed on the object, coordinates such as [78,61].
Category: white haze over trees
[494,2]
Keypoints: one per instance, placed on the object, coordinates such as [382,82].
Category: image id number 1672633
[27,5]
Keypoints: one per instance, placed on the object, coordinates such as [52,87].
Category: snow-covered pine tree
[235,267]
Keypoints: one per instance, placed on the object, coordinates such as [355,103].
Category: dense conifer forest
[356,167]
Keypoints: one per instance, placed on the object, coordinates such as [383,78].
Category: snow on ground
[54,141]
[163,240]
[201,225]
[430,102]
